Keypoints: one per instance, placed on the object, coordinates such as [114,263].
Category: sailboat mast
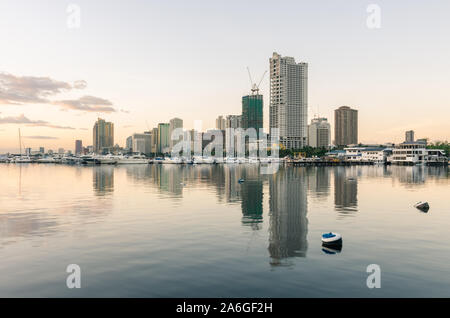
[20,143]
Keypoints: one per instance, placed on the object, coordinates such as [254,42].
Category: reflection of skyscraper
[103,179]
[345,190]
[318,181]
[288,223]
[252,207]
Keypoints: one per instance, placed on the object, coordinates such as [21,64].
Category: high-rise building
[163,137]
[252,112]
[78,147]
[409,136]
[220,123]
[141,143]
[319,133]
[289,100]
[233,121]
[174,123]
[129,143]
[103,134]
[345,126]
[154,143]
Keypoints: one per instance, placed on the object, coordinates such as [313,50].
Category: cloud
[80,84]
[125,111]
[18,90]
[40,137]
[21,119]
[87,103]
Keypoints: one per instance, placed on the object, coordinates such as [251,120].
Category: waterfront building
[289,100]
[78,147]
[345,126]
[174,123]
[61,151]
[220,123]
[163,145]
[416,152]
[367,154]
[409,136]
[319,133]
[42,150]
[103,136]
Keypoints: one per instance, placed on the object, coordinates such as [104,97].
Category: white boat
[134,159]
[47,160]
[22,159]
[106,159]
[230,160]
[174,160]
[253,160]
[208,160]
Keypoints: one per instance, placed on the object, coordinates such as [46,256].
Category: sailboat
[21,159]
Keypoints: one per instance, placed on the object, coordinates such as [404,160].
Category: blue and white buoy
[241,180]
[331,239]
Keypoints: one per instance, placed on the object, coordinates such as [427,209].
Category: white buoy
[331,238]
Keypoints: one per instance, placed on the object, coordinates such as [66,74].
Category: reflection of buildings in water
[345,190]
[252,203]
[418,174]
[410,174]
[231,185]
[288,223]
[103,179]
[318,181]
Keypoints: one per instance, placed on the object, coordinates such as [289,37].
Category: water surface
[194,231]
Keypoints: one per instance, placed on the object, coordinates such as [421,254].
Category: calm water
[194,231]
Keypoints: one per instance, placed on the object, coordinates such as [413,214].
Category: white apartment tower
[289,100]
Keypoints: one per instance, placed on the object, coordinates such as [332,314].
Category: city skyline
[70,79]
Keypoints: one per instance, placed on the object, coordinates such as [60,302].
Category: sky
[139,63]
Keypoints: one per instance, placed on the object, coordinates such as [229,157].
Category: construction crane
[255,88]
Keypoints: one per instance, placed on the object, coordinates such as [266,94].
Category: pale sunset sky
[138,63]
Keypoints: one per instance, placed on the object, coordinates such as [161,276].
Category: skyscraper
[319,133]
[289,100]
[103,135]
[252,112]
[220,123]
[141,143]
[233,121]
[345,126]
[409,136]
[174,123]
[163,137]
[78,147]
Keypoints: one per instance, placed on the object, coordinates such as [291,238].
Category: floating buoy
[422,206]
[331,239]
[241,180]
